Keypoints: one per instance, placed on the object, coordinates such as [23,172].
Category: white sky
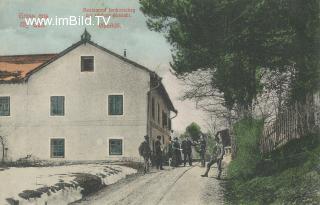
[143,46]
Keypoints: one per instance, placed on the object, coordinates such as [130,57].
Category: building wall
[86,126]
[157,128]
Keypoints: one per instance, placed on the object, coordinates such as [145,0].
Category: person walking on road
[145,152]
[186,146]
[170,153]
[203,146]
[158,152]
[216,157]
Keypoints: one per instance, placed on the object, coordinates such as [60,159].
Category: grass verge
[289,175]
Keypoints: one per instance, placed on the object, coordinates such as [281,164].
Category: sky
[143,46]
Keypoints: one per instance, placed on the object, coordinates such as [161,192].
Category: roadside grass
[289,175]
[248,153]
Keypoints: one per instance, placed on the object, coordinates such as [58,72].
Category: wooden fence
[292,123]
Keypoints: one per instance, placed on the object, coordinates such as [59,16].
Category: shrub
[295,153]
[90,183]
[288,175]
[247,132]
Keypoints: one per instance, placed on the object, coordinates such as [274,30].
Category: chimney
[125,53]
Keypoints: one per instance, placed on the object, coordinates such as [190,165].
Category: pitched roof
[15,67]
[164,93]
[18,68]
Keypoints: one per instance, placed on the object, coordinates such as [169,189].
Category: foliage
[211,145]
[90,183]
[237,39]
[275,91]
[247,132]
[183,136]
[295,152]
[284,178]
[194,131]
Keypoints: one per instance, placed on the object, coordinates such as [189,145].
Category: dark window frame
[158,113]
[164,119]
[4,113]
[53,152]
[153,108]
[111,153]
[54,108]
[87,66]
[112,112]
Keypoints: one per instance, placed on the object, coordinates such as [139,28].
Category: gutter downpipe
[176,112]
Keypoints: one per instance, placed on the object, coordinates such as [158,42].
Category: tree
[200,87]
[237,39]
[277,87]
[194,131]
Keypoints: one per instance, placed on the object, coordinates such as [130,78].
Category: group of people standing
[177,149]
[146,153]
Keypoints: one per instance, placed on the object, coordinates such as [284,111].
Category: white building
[84,103]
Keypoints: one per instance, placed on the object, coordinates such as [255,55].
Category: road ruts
[181,185]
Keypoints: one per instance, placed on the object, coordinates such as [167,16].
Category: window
[158,113]
[57,148]
[5,106]
[169,123]
[164,119]
[153,109]
[87,64]
[115,104]
[57,106]
[115,147]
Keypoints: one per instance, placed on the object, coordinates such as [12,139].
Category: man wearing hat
[186,146]
[158,152]
[145,152]
[217,156]
[202,150]
[176,152]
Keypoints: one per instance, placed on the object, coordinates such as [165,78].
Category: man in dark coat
[170,153]
[203,146]
[158,152]
[216,157]
[186,146]
[145,152]
[176,158]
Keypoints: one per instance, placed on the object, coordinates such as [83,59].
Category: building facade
[84,103]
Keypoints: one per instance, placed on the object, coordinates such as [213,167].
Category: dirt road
[182,185]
